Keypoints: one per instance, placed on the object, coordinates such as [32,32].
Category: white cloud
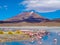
[4,6]
[42,5]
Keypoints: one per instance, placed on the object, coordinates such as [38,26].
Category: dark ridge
[30,19]
[10,21]
[33,20]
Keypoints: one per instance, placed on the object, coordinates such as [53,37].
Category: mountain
[56,20]
[26,17]
[29,19]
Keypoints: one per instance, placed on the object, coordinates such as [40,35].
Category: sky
[46,8]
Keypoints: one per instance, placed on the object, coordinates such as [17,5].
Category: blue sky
[49,9]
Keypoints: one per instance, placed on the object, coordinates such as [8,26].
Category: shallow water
[46,40]
[52,39]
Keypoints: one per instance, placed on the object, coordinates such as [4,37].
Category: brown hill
[31,24]
[56,20]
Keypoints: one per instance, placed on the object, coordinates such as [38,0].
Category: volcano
[29,19]
[26,17]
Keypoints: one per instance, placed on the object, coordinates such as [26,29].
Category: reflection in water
[38,38]
[51,39]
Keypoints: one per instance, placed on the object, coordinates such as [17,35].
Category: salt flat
[52,28]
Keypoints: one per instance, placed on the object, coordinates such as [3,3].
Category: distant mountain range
[56,20]
[29,18]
